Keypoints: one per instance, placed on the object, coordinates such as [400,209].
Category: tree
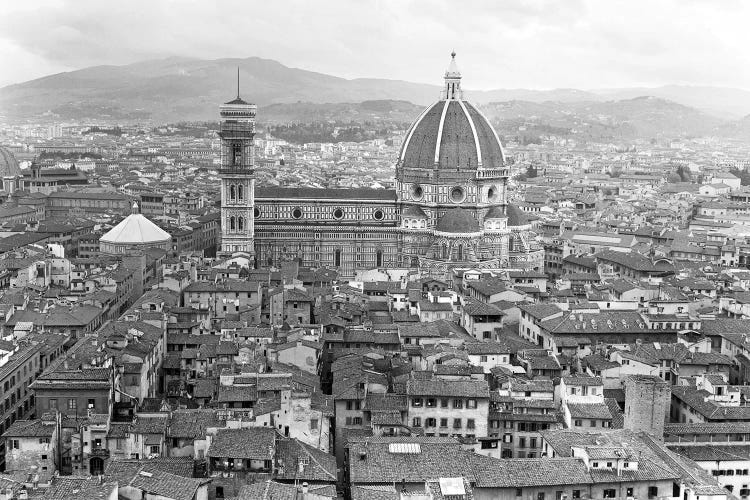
[674,178]
[742,174]
[684,173]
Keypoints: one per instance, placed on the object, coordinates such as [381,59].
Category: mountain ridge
[185,89]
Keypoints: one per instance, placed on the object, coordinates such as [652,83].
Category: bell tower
[237,130]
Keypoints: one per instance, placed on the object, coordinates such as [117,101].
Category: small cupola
[452,88]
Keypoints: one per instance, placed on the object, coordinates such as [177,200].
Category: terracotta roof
[448,388]
[413,459]
[79,488]
[192,423]
[530,472]
[271,490]
[30,428]
[474,307]
[707,428]
[374,492]
[479,348]
[233,393]
[582,380]
[712,453]
[252,443]
[316,464]
[589,410]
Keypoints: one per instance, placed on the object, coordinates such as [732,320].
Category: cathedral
[449,209]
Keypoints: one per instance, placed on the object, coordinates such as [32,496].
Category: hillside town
[203,312]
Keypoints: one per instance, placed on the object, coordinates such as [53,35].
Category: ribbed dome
[8,163]
[516,216]
[466,139]
[457,220]
[451,135]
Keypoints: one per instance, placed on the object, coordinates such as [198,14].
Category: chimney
[305,489]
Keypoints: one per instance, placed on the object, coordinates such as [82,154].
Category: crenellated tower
[237,131]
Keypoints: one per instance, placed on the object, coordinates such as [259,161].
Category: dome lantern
[452,89]
[452,138]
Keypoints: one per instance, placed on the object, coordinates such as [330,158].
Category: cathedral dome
[451,135]
[8,164]
[457,221]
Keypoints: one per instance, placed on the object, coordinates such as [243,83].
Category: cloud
[529,44]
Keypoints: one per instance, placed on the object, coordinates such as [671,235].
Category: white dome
[136,229]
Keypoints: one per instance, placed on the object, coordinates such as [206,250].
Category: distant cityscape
[466,304]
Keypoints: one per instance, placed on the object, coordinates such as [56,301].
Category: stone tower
[647,402]
[237,130]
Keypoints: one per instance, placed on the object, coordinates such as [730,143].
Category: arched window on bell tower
[240,223]
[231,223]
[231,192]
[240,197]
[460,252]
[379,258]
[444,251]
[237,154]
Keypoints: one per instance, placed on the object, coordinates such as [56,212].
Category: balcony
[492,173]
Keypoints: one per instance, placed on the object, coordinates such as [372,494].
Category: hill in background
[184,89]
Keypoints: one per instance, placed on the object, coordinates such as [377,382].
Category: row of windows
[236,223]
[730,472]
[298,213]
[432,403]
[72,404]
[592,423]
[653,492]
[521,426]
[432,422]
[262,233]
[27,368]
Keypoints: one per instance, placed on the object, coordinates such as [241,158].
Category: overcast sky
[500,44]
